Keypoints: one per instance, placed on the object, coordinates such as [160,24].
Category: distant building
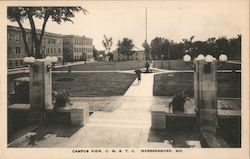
[77,48]
[51,46]
[138,55]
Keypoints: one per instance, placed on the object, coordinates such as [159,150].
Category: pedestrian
[147,65]
[178,102]
[138,74]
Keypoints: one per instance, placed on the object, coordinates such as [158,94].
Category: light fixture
[209,58]
[53,61]
[29,60]
[223,58]
[187,58]
[200,57]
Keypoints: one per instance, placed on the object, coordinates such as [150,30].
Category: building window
[17,37]
[17,50]
[51,50]
[48,50]
[27,38]
[54,50]
[59,50]
[9,50]
[9,36]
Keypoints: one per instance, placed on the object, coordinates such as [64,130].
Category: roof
[38,31]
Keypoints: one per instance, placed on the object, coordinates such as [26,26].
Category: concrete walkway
[143,89]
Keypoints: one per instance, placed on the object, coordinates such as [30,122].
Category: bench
[78,113]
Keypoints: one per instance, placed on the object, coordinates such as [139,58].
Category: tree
[188,44]
[107,43]
[57,14]
[95,53]
[222,44]
[160,46]
[125,47]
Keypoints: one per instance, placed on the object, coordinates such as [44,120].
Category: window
[9,50]
[9,36]
[27,38]
[17,50]
[48,50]
[59,50]
[54,50]
[51,50]
[74,49]
[17,37]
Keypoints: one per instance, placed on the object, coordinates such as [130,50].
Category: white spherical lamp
[223,58]
[48,58]
[26,59]
[209,58]
[187,58]
[54,59]
[32,59]
[200,57]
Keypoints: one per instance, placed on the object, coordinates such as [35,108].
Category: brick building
[51,45]
[77,48]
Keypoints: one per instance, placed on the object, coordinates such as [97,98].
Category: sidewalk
[143,89]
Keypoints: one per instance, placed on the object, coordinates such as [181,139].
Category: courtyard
[121,108]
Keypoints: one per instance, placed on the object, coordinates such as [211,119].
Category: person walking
[138,74]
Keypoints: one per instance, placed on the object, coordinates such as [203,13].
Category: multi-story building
[76,48]
[51,45]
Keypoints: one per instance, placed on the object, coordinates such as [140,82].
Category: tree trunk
[35,38]
[24,39]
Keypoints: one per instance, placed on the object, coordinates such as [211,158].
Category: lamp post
[205,89]
[40,86]
[162,61]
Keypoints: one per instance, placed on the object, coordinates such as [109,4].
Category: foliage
[125,47]
[60,99]
[56,14]
[95,53]
[162,46]
[107,43]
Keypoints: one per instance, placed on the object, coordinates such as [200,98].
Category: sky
[174,20]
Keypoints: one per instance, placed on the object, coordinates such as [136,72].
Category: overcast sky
[174,20]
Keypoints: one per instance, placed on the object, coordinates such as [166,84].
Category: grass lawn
[107,66]
[181,65]
[229,84]
[132,65]
[93,84]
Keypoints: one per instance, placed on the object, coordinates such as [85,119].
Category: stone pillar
[40,90]
[205,94]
